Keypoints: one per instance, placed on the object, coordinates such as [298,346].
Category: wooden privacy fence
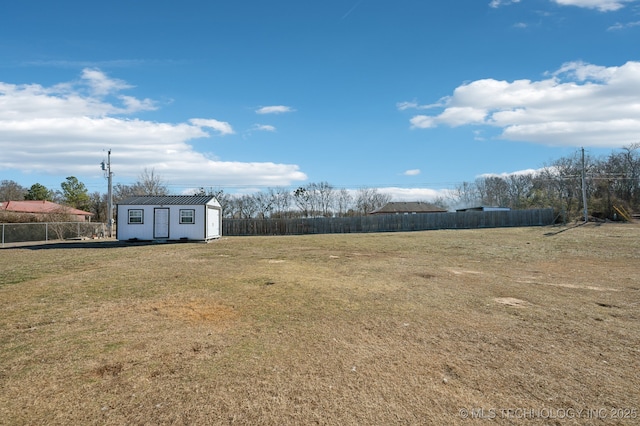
[388,223]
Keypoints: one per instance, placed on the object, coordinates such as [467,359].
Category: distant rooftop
[40,207]
[408,207]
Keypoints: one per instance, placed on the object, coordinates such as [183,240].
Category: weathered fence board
[388,223]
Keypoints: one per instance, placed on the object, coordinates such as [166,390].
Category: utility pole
[584,191]
[107,168]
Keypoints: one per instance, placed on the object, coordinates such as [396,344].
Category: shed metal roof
[166,200]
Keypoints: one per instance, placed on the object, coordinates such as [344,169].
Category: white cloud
[423,122]
[221,126]
[403,106]
[275,109]
[34,101]
[63,130]
[526,172]
[478,135]
[601,5]
[133,105]
[100,84]
[263,128]
[499,3]
[620,26]
[414,194]
[412,172]
[578,105]
[406,105]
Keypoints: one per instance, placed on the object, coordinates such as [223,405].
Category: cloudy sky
[412,96]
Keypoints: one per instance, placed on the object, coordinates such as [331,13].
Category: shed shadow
[89,244]
[551,234]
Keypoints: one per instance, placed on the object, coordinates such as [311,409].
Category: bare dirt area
[515,326]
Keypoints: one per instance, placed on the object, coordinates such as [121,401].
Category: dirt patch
[512,301]
[194,311]
[108,370]
[574,286]
[464,272]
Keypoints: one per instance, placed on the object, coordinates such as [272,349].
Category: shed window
[136,216]
[187,216]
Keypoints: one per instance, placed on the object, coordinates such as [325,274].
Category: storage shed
[171,217]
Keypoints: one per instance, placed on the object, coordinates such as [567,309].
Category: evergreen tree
[75,194]
[39,192]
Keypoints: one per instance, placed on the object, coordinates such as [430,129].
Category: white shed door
[161,223]
[213,226]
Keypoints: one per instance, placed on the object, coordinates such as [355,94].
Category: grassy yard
[368,329]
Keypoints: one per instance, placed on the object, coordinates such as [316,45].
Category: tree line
[311,200]
[612,183]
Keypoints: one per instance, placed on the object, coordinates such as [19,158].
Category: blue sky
[412,97]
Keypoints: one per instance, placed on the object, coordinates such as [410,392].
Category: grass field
[368,329]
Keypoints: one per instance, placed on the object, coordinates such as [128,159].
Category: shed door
[161,223]
[213,225]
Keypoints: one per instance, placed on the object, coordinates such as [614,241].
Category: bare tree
[281,201]
[59,221]
[263,203]
[315,199]
[231,209]
[98,206]
[120,192]
[324,193]
[149,183]
[303,200]
[369,199]
[223,198]
[560,182]
[631,174]
[12,191]
[519,190]
[464,195]
[494,191]
[440,202]
[344,202]
[246,206]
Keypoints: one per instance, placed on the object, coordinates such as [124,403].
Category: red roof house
[44,209]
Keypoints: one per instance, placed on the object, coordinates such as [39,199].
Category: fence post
[3,235]
[46,231]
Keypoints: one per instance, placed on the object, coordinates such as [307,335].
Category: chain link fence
[48,231]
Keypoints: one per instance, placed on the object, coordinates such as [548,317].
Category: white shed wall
[206,223]
[127,231]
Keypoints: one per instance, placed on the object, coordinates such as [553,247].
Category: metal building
[170,218]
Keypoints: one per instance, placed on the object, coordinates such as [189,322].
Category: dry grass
[399,328]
